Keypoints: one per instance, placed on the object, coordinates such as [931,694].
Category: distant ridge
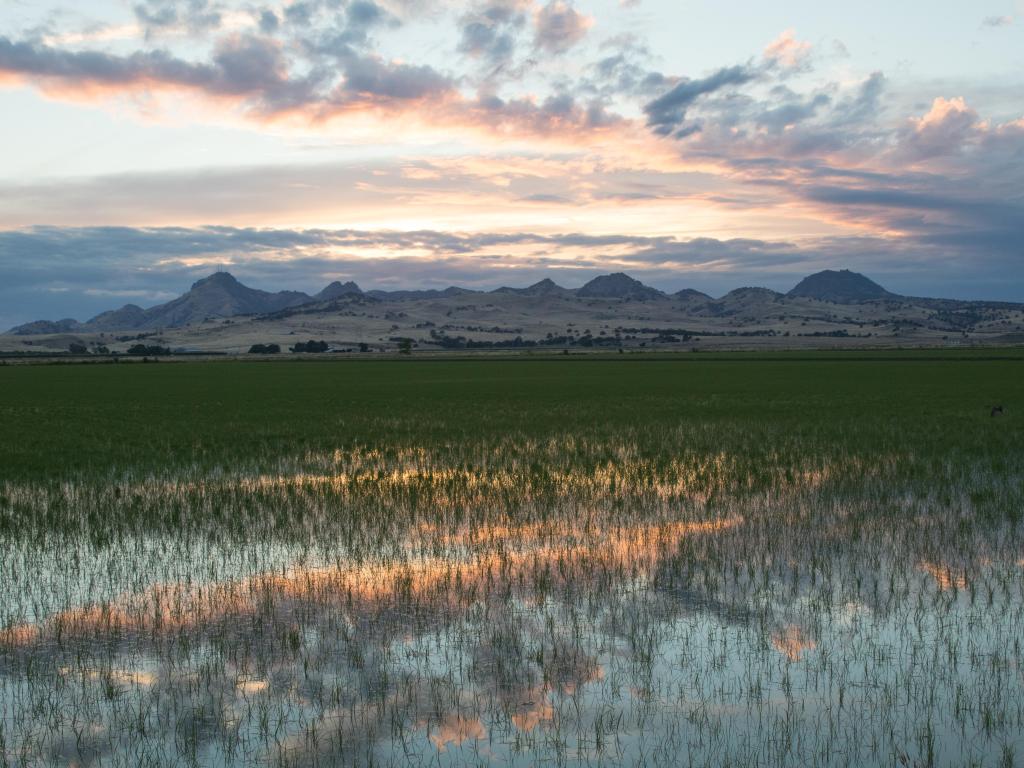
[545,287]
[67,325]
[842,286]
[220,295]
[430,293]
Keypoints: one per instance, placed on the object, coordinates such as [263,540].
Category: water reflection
[574,640]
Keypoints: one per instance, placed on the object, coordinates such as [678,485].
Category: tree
[405,346]
[142,349]
[311,346]
[78,349]
[264,349]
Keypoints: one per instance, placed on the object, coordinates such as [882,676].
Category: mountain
[690,295]
[618,286]
[430,293]
[338,289]
[545,287]
[67,325]
[219,295]
[750,295]
[128,316]
[842,286]
[742,301]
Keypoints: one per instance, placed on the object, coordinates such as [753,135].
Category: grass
[767,560]
[61,421]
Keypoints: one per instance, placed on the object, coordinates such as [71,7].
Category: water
[781,630]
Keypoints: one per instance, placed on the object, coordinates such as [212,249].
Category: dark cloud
[252,68]
[667,113]
[56,272]
[300,13]
[269,22]
[364,13]
[491,32]
[558,113]
[865,104]
[624,70]
[242,66]
[193,15]
[945,180]
[791,111]
[316,59]
[372,76]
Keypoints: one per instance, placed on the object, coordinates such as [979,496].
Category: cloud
[252,69]
[667,113]
[794,110]
[997,21]
[288,68]
[945,129]
[787,52]
[558,26]
[865,104]
[244,66]
[623,70]
[269,22]
[192,15]
[373,77]
[945,179]
[491,32]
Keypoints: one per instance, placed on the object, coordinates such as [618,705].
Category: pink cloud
[787,51]
[945,129]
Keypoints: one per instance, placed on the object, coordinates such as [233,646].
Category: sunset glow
[755,149]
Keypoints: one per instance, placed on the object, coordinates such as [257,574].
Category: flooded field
[600,564]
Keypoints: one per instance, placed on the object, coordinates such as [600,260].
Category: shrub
[310,346]
[144,349]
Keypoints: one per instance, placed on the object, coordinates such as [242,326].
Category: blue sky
[484,143]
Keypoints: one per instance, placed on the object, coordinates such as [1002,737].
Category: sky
[422,143]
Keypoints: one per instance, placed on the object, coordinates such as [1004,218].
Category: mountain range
[222,296]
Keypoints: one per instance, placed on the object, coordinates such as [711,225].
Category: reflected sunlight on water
[398,611]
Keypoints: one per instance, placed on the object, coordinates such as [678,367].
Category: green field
[62,421]
[793,559]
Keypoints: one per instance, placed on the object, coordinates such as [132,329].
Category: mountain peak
[337,289]
[222,279]
[617,285]
[842,286]
[544,287]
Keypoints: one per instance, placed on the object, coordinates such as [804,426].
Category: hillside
[219,313]
[618,286]
[841,286]
[219,295]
